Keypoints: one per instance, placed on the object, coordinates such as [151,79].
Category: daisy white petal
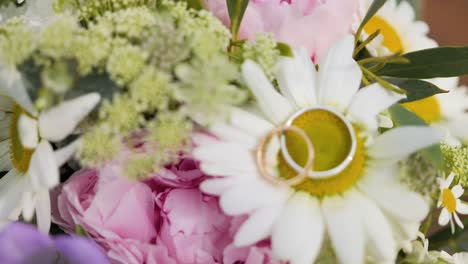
[43,211]
[64,154]
[12,189]
[251,123]
[245,198]
[403,141]
[339,76]
[257,227]
[233,134]
[43,168]
[392,196]
[11,81]
[457,191]
[28,205]
[274,105]
[462,207]
[57,123]
[299,230]
[458,221]
[27,128]
[343,221]
[369,102]
[379,231]
[297,78]
[447,182]
[217,186]
[444,217]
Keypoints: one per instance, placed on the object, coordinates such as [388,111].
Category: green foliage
[264,51]
[236,10]
[430,63]
[415,89]
[456,159]
[373,9]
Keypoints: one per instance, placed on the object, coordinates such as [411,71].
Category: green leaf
[415,89]
[284,49]
[236,9]
[79,230]
[430,63]
[403,117]
[376,5]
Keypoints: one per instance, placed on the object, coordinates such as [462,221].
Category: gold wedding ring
[261,159]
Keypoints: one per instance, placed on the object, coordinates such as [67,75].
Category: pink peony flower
[156,221]
[313,24]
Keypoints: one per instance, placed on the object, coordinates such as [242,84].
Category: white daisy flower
[352,194]
[447,111]
[450,202]
[26,152]
[399,29]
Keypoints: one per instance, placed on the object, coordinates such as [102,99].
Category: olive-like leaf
[375,6]
[430,63]
[415,89]
[284,49]
[236,9]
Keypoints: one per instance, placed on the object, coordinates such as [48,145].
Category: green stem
[365,42]
[382,82]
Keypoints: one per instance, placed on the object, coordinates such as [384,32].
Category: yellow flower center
[19,155]
[428,109]
[448,200]
[391,39]
[332,143]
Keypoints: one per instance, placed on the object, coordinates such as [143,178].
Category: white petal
[457,191]
[444,217]
[297,78]
[28,206]
[5,162]
[462,207]
[459,127]
[58,122]
[448,181]
[6,104]
[250,123]
[339,75]
[369,102]
[43,169]
[5,127]
[379,231]
[460,258]
[11,191]
[66,153]
[248,197]
[257,227]
[27,128]
[344,222]
[43,211]
[233,134]
[11,81]
[458,221]
[395,198]
[299,231]
[403,141]
[218,186]
[275,107]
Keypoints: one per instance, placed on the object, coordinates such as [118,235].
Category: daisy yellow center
[332,142]
[428,109]
[391,39]
[19,155]
[448,200]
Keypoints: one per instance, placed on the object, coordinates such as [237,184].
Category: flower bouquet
[229,131]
